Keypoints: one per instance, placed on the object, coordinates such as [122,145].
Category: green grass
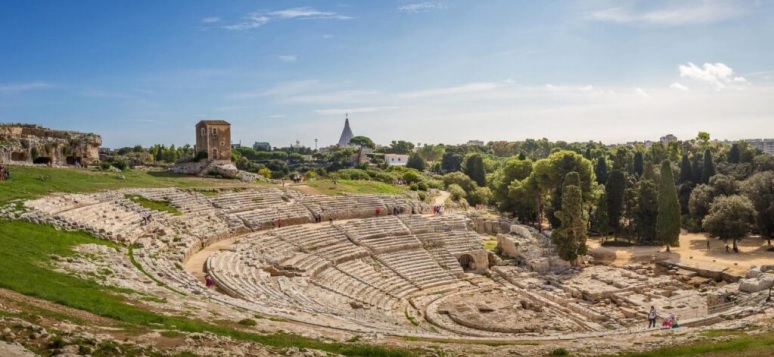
[26,182]
[162,206]
[490,245]
[739,346]
[355,186]
[25,268]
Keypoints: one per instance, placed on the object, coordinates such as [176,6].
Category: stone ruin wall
[28,143]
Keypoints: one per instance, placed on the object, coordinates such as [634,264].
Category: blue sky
[144,72]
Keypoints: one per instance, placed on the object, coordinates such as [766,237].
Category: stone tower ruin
[214,138]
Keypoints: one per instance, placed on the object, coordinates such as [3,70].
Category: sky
[448,71]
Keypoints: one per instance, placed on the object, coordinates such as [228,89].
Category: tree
[549,174]
[668,219]
[501,179]
[474,168]
[570,238]
[734,154]
[638,164]
[361,142]
[451,162]
[730,217]
[614,192]
[703,139]
[415,162]
[647,212]
[601,222]
[708,170]
[600,170]
[431,153]
[399,147]
[696,168]
[685,170]
[759,188]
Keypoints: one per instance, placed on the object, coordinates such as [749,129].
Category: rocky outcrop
[29,143]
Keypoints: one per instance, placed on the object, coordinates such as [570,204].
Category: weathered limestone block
[762,282]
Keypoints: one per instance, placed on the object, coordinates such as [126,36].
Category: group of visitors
[5,173]
[666,323]
[438,210]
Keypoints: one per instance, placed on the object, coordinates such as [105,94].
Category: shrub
[413,187]
[560,352]
[120,164]
[354,174]
[423,197]
[201,155]
[456,192]
[247,322]
[265,172]
[422,186]
[104,165]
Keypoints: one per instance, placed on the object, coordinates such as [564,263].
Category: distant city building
[669,138]
[346,134]
[395,159]
[765,145]
[475,143]
[236,145]
[262,145]
[214,138]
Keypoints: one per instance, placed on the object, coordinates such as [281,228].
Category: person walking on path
[652,317]
[208,281]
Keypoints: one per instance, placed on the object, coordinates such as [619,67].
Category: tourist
[330,219]
[708,244]
[378,210]
[674,322]
[652,317]
[208,281]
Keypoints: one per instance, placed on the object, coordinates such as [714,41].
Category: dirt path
[693,248]
[441,198]
[195,264]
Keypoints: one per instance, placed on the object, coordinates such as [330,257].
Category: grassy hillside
[28,182]
[326,187]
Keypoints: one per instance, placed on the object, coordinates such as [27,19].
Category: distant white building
[765,145]
[475,142]
[395,159]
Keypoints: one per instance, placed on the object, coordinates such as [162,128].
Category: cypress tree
[708,170]
[696,166]
[570,238]
[474,168]
[638,164]
[600,170]
[647,212]
[668,219]
[734,153]
[601,222]
[614,191]
[686,174]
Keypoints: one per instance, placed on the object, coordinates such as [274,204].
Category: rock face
[35,144]
[761,282]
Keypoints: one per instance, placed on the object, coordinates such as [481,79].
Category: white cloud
[251,21]
[210,20]
[466,88]
[287,58]
[640,92]
[336,111]
[718,75]
[421,7]
[562,88]
[22,87]
[678,86]
[695,12]
[258,19]
[307,13]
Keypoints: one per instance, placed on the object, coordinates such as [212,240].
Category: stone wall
[35,144]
